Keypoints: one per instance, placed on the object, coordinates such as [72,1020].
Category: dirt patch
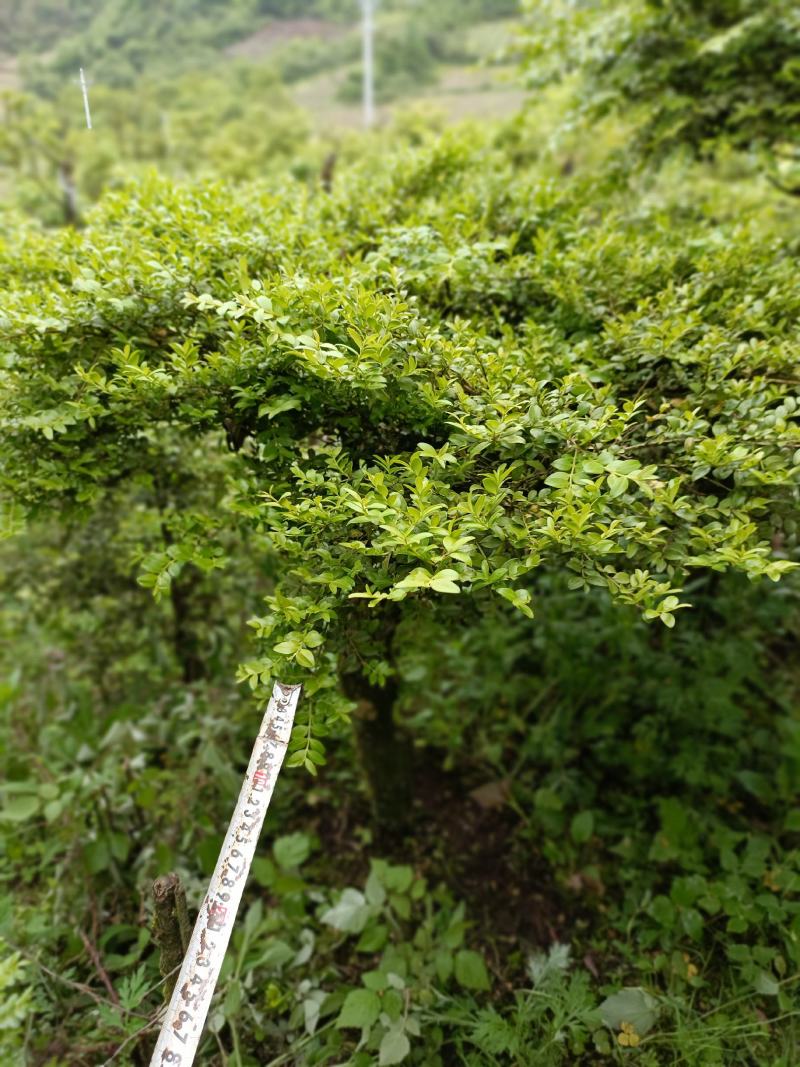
[279,32]
[462,93]
[9,77]
[466,836]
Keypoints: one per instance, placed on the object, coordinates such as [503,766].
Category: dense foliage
[699,72]
[235,123]
[388,404]
[502,463]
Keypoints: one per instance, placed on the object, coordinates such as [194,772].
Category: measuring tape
[191,998]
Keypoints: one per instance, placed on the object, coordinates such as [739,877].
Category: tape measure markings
[186,1014]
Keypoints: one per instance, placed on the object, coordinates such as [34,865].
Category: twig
[221,1048]
[133,1037]
[285,1057]
[102,973]
[79,986]
[789,190]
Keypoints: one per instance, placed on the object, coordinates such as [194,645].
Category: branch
[790,190]
[94,956]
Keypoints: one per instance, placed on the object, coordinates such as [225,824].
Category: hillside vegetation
[119,42]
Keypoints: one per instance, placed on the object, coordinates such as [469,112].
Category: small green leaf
[617,484]
[278,405]
[361,1009]
[582,827]
[394,1047]
[633,1005]
[374,938]
[444,585]
[693,923]
[470,970]
[305,657]
[443,962]
[350,913]
[97,855]
[19,808]
[233,999]
[287,648]
[766,985]
[292,850]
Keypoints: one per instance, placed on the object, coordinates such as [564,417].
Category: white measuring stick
[183,1025]
[368,61]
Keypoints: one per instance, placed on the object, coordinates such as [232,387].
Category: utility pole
[85,92]
[368,51]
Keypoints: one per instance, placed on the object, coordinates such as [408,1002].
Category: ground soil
[279,31]
[9,78]
[468,839]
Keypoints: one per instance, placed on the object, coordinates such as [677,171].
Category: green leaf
[633,1005]
[254,917]
[397,877]
[361,1009]
[350,913]
[311,1010]
[693,923]
[394,1047]
[19,808]
[288,647]
[263,870]
[766,985]
[97,855]
[470,970]
[374,889]
[582,827]
[278,405]
[419,578]
[305,657]
[233,999]
[617,484]
[520,598]
[443,962]
[292,850]
[374,938]
[276,955]
[442,584]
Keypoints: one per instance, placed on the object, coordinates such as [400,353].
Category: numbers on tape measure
[190,1001]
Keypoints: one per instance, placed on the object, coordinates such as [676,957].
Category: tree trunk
[185,636]
[385,754]
[69,189]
